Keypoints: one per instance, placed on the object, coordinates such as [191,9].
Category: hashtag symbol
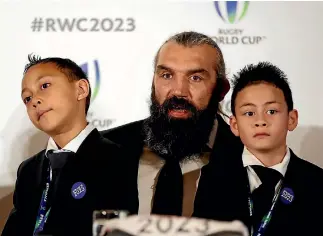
[37,24]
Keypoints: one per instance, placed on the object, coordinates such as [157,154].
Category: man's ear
[225,89]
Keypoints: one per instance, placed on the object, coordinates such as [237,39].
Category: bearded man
[171,152]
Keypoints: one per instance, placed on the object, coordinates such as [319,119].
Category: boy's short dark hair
[263,72]
[66,66]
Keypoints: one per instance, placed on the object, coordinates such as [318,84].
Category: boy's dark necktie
[56,160]
[168,197]
[262,196]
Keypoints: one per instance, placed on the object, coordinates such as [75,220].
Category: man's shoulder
[125,134]
[225,139]
[125,128]
[96,143]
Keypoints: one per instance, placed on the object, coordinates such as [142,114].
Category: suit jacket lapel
[36,190]
[227,158]
[283,212]
[222,192]
[41,175]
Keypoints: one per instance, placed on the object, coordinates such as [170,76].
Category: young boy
[58,189]
[284,193]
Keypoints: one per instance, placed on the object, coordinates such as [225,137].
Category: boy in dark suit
[58,189]
[280,193]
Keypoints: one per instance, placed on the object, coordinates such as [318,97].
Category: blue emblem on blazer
[78,190]
[287,196]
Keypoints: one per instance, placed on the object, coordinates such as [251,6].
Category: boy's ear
[292,119]
[234,126]
[83,89]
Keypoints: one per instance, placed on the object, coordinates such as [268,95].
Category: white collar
[75,143]
[249,159]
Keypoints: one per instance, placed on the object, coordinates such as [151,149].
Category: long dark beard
[182,139]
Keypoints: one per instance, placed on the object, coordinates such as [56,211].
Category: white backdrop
[289,34]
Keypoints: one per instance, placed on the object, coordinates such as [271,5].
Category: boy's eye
[45,85]
[27,99]
[271,112]
[249,113]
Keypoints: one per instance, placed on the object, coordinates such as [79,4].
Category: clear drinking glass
[101,216]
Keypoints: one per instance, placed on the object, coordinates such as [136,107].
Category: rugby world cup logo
[231,11]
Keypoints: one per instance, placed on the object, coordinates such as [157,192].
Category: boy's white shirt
[249,159]
[73,145]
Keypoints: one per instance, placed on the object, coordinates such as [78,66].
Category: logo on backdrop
[233,13]
[226,107]
[92,70]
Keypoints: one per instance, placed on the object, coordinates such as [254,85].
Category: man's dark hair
[263,72]
[66,66]
[190,39]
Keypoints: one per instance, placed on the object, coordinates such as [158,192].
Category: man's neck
[270,157]
[65,136]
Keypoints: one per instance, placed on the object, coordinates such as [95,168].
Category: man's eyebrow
[198,70]
[163,67]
